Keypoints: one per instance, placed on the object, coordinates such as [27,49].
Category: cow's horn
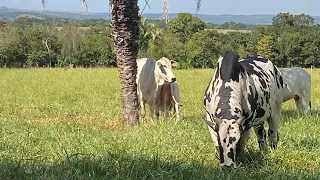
[240,121]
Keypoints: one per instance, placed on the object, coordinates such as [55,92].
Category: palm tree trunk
[125,30]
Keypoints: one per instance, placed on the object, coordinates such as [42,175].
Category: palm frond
[84,3]
[165,10]
[198,5]
[43,4]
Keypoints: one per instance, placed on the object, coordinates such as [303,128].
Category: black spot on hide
[163,71]
[231,154]
[260,113]
[232,140]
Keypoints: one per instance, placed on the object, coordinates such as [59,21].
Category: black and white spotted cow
[243,94]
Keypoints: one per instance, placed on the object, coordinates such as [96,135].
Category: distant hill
[11,14]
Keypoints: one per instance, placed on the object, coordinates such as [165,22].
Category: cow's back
[297,82]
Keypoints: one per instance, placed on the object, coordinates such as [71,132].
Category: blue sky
[244,7]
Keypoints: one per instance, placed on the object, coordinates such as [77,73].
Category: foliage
[266,46]
[203,49]
[290,20]
[292,40]
[168,46]
[232,25]
[185,25]
[148,31]
[96,48]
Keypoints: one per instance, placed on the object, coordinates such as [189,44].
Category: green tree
[242,51]
[12,47]
[203,49]
[303,20]
[266,46]
[289,20]
[96,49]
[185,25]
[70,38]
[167,46]
[283,20]
[232,40]
[42,45]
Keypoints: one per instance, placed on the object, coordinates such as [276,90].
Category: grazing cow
[297,85]
[243,94]
[155,82]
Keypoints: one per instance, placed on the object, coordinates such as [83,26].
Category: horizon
[208,7]
[91,12]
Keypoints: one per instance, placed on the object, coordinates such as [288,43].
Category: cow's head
[164,70]
[228,135]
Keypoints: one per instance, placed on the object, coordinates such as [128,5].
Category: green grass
[66,124]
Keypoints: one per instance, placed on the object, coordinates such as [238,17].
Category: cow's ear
[158,64]
[213,126]
[174,63]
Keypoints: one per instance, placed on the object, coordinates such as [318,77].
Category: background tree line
[291,40]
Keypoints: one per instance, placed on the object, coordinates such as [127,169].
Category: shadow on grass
[125,166]
[292,115]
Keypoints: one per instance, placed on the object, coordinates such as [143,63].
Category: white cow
[297,83]
[155,82]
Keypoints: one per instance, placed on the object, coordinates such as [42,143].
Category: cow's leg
[304,104]
[152,111]
[261,137]
[299,105]
[242,141]
[157,113]
[274,122]
[142,109]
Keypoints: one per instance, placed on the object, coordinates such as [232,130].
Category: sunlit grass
[66,124]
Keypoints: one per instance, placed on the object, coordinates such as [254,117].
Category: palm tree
[125,30]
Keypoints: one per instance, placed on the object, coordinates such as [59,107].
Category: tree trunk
[125,30]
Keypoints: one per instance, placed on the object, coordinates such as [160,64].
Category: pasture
[66,124]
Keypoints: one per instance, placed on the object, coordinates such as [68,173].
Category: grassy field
[66,124]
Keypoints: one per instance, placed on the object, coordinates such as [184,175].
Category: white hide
[153,79]
[297,83]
